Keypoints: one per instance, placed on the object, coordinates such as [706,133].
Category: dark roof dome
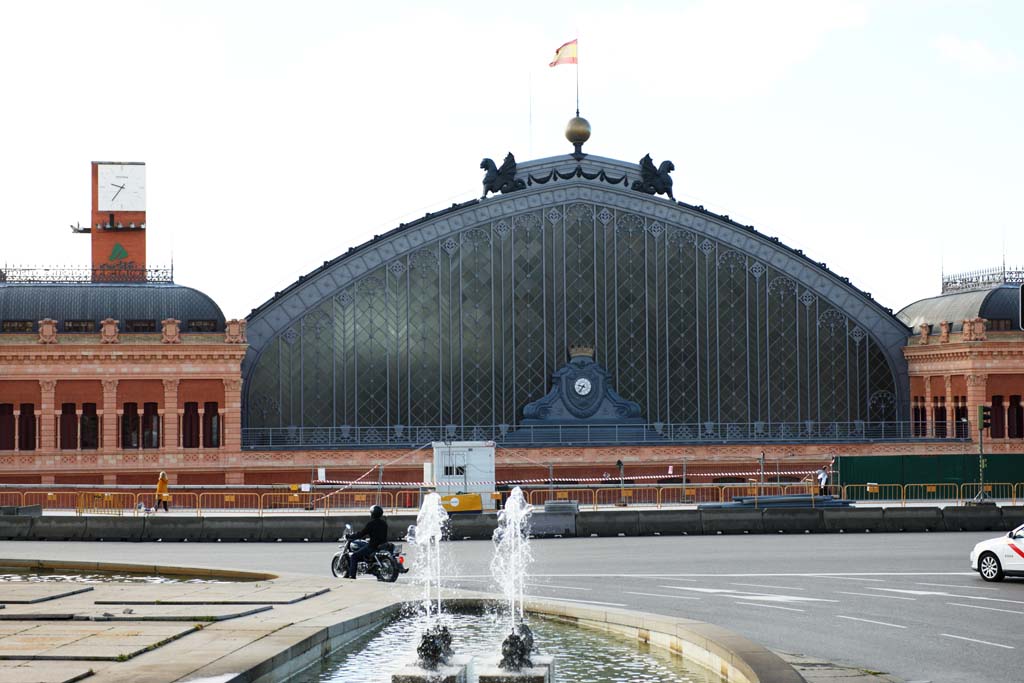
[995,303]
[97,301]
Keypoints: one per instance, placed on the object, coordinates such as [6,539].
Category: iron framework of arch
[448,327]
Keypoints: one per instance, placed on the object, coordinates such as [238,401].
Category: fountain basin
[724,656]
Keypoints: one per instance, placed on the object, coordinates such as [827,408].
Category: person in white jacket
[822,481]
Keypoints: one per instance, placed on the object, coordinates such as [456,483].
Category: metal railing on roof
[81,274]
[857,431]
[982,279]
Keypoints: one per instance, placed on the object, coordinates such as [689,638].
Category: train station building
[577,315]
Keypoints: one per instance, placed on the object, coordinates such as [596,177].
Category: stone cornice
[120,353]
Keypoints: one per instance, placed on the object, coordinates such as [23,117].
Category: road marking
[944,594]
[677,577]
[766,597]
[585,602]
[756,604]
[870,621]
[951,585]
[875,595]
[990,609]
[761,585]
[852,577]
[551,585]
[975,640]
[664,595]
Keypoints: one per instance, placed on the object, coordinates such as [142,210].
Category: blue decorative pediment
[581,392]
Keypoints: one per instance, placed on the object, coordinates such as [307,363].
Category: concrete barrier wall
[795,521]
[670,522]
[974,518]
[732,521]
[607,523]
[318,528]
[471,527]
[853,519]
[914,519]
[1013,516]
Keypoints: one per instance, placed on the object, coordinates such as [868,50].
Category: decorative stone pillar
[950,410]
[202,425]
[1006,417]
[47,421]
[170,426]
[929,413]
[944,332]
[17,428]
[110,421]
[926,331]
[231,429]
[977,394]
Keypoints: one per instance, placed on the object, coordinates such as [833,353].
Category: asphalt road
[906,604]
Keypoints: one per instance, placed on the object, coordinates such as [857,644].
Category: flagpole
[577,72]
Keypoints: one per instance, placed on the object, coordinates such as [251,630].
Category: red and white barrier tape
[565,480]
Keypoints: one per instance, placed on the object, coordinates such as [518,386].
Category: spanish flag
[565,54]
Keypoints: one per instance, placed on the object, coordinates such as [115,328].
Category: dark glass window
[211,425]
[79,325]
[90,427]
[467,329]
[130,426]
[918,416]
[68,427]
[190,425]
[960,416]
[6,426]
[1015,419]
[14,326]
[202,325]
[939,416]
[998,428]
[150,426]
[27,427]
[998,325]
[140,326]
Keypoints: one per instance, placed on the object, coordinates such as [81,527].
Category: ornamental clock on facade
[582,386]
[121,187]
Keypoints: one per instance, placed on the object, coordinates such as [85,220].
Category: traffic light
[984,417]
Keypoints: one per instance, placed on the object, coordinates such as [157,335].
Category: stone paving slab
[43,672]
[162,612]
[87,641]
[29,593]
[265,594]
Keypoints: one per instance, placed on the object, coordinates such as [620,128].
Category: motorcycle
[386,563]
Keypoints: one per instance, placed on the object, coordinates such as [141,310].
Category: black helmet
[376,512]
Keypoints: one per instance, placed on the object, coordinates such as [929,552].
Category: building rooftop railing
[401,436]
[982,279]
[123,273]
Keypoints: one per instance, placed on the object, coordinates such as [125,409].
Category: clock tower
[118,224]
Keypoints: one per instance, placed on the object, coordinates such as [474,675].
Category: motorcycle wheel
[387,570]
[339,565]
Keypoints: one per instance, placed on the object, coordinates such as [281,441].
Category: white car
[999,557]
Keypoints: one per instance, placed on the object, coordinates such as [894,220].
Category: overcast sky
[883,138]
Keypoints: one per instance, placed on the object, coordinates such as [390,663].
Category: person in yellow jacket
[161,492]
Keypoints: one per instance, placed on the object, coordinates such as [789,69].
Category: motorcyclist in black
[376,533]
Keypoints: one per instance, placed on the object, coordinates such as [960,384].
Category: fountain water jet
[435,662]
[512,558]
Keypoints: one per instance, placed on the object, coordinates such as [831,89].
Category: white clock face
[121,187]
[582,386]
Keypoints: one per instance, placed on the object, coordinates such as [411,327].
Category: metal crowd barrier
[114,502]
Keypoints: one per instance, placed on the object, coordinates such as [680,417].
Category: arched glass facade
[467,328]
